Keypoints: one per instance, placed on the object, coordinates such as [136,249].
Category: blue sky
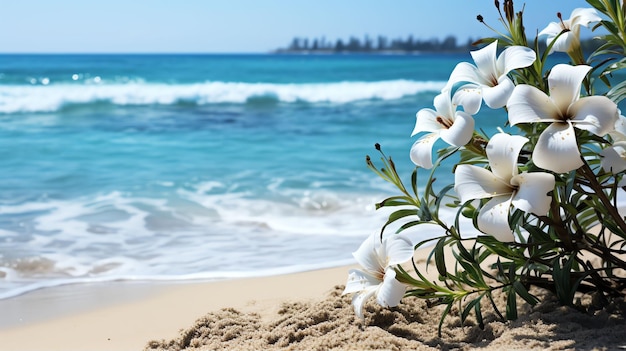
[243,25]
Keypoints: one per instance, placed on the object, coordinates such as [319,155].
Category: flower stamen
[445,122]
[563,26]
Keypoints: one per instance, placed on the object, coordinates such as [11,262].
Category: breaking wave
[53,97]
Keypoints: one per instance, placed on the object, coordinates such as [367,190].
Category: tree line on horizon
[382,44]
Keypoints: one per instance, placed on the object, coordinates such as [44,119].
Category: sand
[125,316]
[303,311]
[330,324]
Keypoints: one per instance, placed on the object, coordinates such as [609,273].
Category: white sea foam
[52,97]
[196,232]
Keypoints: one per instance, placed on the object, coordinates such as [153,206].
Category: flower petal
[422,150]
[359,299]
[502,151]
[485,60]
[583,17]
[597,114]
[528,104]
[557,150]
[461,131]
[514,57]
[563,43]
[498,95]
[493,218]
[472,182]
[564,82]
[397,249]
[443,104]
[391,290]
[614,158]
[579,16]
[619,134]
[426,121]
[359,280]
[367,254]
[470,97]
[532,194]
[463,72]
[552,30]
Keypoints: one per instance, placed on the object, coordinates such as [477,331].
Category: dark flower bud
[377,146]
[509,11]
[480,18]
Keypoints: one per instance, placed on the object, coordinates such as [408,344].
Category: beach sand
[303,311]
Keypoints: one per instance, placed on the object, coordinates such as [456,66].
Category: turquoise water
[197,166]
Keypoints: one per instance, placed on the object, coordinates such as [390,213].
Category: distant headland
[384,45]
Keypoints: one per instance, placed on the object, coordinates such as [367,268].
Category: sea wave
[196,232]
[53,97]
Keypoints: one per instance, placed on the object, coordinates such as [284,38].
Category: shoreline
[127,315]
[299,311]
[192,278]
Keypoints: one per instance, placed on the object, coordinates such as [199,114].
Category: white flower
[504,185]
[619,134]
[570,29]
[614,157]
[454,127]
[489,78]
[557,148]
[378,277]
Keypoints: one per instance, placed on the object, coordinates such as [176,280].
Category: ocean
[183,167]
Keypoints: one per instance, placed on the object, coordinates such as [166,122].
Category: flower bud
[509,11]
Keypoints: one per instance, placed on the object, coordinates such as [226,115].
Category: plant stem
[587,172]
[605,254]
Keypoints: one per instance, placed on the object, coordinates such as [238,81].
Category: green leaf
[394,216]
[424,212]
[440,260]
[443,316]
[469,264]
[409,225]
[617,93]
[442,194]
[562,284]
[597,4]
[494,306]
[468,308]
[404,277]
[511,305]
[394,201]
[414,182]
[524,294]
[479,316]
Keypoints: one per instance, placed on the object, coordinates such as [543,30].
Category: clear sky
[238,26]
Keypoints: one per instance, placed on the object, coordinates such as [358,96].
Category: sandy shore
[303,311]
[125,316]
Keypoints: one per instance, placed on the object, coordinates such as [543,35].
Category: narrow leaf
[511,305]
[440,261]
[524,294]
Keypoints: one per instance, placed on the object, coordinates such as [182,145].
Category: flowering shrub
[543,195]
